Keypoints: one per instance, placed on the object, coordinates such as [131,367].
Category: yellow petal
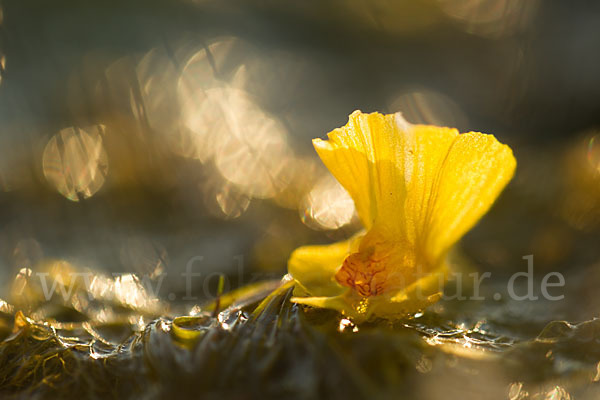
[314,267]
[424,186]
[417,189]
[363,156]
[424,289]
[415,297]
[427,147]
[475,170]
[389,167]
[337,303]
[347,304]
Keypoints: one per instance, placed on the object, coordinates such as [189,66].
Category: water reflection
[593,152]
[2,65]
[516,392]
[384,15]
[128,290]
[201,116]
[15,153]
[558,393]
[223,199]
[328,205]
[346,324]
[2,57]
[301,173]
[55,284]
[195,102]
[118,90]
[20,283]
[225,122]
[429,107]
[27,253]
[490,18]
[388,16]
[580,203]
[157,74]
[75,162]
[253,150]
[231,202]
[146,257]
[205,105]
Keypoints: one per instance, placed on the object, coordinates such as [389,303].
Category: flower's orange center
[365,272]
[380,266]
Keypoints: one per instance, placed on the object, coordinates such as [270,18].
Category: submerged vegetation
[260,344]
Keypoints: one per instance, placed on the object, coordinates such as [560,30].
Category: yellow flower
[417,189]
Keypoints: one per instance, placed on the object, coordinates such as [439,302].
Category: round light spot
[75,162]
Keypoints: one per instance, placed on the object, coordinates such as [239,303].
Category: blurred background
[138,136]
